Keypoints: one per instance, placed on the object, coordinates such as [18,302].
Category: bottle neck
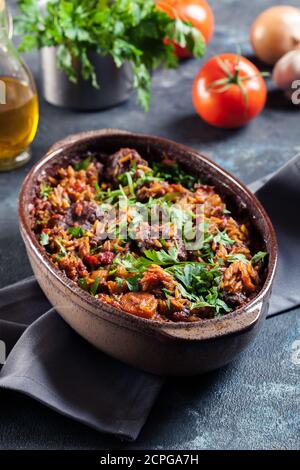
[3,20]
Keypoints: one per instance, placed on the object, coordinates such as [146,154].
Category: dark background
[252,403]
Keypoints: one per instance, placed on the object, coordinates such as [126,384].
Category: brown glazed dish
[159,347]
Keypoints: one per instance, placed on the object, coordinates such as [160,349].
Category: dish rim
[138,322]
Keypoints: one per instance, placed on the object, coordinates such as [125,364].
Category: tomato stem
[224,67]
[233,79]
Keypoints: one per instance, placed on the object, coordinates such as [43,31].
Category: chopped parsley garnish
[133,283]
[44,241]
[83,283]
[83,164]
[62,250]
[98,192]
[223,239]
[258,257]
[45,190]
[200,283]
[213,300]
[94,286]
[174,173]
[76,232]
[147,225]
[237,257]
[162,258]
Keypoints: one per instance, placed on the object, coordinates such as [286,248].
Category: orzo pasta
[117,226]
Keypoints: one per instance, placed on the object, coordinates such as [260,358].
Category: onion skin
[287,70]
[275,32]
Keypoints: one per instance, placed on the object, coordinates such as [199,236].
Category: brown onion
[286,75]
[287,70]
[275,32]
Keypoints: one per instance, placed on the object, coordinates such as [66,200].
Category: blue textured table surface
[252,403]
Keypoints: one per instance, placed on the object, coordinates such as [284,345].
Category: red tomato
[92,260]
[197,12]
[239,97]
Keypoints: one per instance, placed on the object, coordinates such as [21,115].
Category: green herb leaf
[83,164]
[120,281]
[187,37]
[174,174]
[65,62]
[223,239]
[83,283]
[45,190]
[98,190]
[62,251]
[132,264]
[200,283]
[258,257]
[76,232]
[133,283]
[127,30]
[44,241]
[237,257]
[162,257]
[94,286]
[213,300]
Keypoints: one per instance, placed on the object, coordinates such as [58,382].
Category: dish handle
[234,323]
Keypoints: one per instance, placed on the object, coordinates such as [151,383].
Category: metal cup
[115,83]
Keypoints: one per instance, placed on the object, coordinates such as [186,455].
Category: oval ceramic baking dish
[161,348]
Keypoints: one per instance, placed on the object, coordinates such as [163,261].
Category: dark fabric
[280,196]
[48,361]
[20,305]
[54,365]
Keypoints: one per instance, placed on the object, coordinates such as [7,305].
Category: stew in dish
[149,239]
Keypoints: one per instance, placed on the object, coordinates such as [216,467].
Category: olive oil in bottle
[18,117]
[18,100]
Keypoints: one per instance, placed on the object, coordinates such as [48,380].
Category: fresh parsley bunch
[128,30]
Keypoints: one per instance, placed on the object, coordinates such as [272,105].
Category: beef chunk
[122,161]
[140,304]
[234,300]
[83,213]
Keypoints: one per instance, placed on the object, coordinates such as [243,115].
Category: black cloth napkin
[48,361]
[280,196]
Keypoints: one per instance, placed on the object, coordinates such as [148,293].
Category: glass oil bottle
[19,110]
